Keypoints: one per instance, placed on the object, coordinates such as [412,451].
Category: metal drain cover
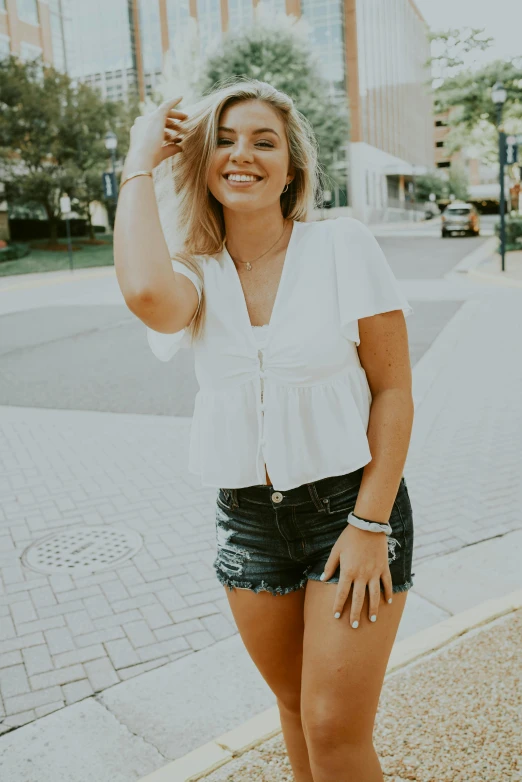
[82,550]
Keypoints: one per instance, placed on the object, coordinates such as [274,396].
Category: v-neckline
[284,270]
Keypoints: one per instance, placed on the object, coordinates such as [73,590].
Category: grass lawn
[52,260]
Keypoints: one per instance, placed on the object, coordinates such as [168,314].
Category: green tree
[458,182]
[430,183]
[464,90]
[52,138]
[282,57]
[433,182]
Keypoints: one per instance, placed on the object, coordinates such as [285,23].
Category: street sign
[109,185]
[511,150]
[65,205]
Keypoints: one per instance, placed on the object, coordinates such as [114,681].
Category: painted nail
[389,601]
[337,615]
[322,577]
[355,624]
[373,618]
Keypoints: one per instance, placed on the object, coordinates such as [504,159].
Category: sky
[502,20]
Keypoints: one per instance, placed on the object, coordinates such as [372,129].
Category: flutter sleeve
[165,346]
[366,285]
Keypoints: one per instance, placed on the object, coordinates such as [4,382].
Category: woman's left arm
[363,555]
[385,357]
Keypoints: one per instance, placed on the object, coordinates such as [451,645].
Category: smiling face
[250,166]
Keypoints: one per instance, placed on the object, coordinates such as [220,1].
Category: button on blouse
[291,397]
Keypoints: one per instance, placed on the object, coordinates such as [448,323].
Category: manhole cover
[82,550]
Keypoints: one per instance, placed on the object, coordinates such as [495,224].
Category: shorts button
[277,496]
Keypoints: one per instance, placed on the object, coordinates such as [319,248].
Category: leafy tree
[433,182]
[464,90]
[470,92]
[52,138]
[452,50]
[281,56]
[458,182]
[430,183]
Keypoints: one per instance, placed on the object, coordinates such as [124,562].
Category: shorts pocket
[224,499]
[342,502]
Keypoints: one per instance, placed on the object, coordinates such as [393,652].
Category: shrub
[513,232]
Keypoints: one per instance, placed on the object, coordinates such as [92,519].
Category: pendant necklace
[249,263]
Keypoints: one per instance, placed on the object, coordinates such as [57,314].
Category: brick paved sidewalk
[63,638]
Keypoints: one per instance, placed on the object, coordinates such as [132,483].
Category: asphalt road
[97,357]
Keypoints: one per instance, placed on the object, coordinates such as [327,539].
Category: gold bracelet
[135,173]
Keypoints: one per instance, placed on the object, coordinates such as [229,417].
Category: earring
[285,188]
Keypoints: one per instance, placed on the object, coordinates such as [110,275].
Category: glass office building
[372,54]
[31,29]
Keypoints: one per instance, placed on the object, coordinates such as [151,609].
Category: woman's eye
[226,141]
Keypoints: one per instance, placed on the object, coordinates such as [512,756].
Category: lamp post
[498,96]
[111,143]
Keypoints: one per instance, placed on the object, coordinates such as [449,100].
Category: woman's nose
[241,151]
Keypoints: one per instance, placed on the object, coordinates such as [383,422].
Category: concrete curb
[474,258]
[203,761]
[495,278]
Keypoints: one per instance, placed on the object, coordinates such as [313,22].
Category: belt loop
[315,498]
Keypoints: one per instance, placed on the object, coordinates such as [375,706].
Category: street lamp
[111,143]
[498,96]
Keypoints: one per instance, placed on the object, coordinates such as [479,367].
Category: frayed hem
[395,588]
[402,587]
[231,583]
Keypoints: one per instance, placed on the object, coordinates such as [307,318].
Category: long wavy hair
[200,220]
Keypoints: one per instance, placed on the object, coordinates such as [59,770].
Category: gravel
[454,716]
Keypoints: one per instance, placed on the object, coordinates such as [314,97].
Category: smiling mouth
[242,179]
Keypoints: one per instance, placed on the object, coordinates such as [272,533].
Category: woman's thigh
[344,668]
[271,627]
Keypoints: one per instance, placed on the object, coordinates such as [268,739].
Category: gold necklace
[249,263]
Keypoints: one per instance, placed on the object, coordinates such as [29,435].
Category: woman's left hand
[363,558]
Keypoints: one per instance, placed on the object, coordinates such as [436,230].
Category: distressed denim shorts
[275,541]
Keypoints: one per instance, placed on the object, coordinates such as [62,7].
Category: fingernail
[322,577]
[337,615]
[389,601]
[373,618]
[355,624]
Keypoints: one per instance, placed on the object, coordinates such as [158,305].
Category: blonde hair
[199,215]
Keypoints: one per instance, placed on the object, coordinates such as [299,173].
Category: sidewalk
[491,269]
[465,699]
[101,651]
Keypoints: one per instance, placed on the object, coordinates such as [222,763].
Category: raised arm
[163,299]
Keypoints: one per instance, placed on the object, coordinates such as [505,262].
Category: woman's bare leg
[271,627]
[343,673]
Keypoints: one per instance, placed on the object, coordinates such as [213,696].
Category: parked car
[459,217]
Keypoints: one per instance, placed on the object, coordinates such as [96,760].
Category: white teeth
[242,178]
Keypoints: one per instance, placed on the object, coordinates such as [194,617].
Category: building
[36,28]
[374,52]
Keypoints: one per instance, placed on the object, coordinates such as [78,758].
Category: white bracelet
[370,526]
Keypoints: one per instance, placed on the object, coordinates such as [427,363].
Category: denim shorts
[275,541]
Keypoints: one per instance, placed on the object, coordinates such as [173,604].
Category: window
[439,144]
[444,164]
[29,52]
[27,11]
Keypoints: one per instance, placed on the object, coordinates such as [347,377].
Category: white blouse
[298,402]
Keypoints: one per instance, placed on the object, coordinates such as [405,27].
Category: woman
[303,418]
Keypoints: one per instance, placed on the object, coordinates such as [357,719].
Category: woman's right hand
[155,137]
